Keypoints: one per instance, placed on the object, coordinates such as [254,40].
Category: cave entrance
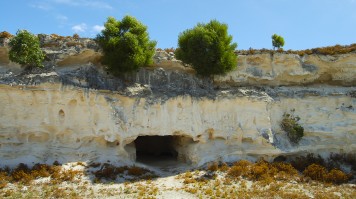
[157,150]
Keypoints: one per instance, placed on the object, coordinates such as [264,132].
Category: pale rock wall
[49,122]
[290,69]
[73,111]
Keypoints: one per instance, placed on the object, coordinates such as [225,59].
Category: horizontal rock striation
[72,110]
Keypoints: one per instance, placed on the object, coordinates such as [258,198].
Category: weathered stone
[72,110]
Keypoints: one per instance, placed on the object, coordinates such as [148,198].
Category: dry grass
[242,179]
[5,34]
[137,171]
[167,50]
[109,172]
[50,45]
[328,50]
[73,43]
[320,173]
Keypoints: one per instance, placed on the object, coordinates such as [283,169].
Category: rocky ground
[241,179]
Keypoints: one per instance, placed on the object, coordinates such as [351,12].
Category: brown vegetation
[242,179]
[320,173]
[5,34]
[24,175]
[328,50]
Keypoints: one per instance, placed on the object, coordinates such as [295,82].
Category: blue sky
[303,23]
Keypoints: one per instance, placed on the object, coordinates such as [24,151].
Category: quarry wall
[72,110]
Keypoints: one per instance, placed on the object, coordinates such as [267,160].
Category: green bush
[25,49]
[291,126]
[126,45]
[277,41]
[207,48]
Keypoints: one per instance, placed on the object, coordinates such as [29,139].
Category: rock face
[290,69]
[73,111]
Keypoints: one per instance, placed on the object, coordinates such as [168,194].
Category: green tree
[25,49]
[208,48]
[126,45]
[277,41]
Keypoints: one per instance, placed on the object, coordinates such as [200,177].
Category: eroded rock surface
[72,110]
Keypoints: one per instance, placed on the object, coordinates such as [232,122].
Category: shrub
[57,37]
[320,173]
[207,48]
[109,171]
[251,51]
[5,34]
[277,41]
[169,50]
[41,170]
[315,172]
[302,162]
[344,158]
[70,44]
[126,45]
[337,176]
[136,171]
[258,171]
[285,167]
[76,36]
[213,166]
[224,167]
[236,171]
[290,125]
[25,49]
[243,163]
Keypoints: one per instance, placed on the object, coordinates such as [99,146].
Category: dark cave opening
[155,149]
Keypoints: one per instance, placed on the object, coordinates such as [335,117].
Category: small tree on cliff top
[277,41]
[126,45]
[208,48]
[25,49]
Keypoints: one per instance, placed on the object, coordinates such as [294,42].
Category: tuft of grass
[108,171]
[213,166]
[136,171]
[290,125]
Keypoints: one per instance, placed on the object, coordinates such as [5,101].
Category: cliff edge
[72,110]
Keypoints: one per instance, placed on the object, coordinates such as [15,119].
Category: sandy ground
[172,180]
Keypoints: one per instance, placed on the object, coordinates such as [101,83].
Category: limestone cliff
[73,111]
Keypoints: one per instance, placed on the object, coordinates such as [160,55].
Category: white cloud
[49,4]
[42,6]
[79,28]
[62,18]
[84,3]
[97,28]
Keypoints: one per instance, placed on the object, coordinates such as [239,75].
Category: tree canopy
[126,45]
[25,49]
[208,48]
[277,41]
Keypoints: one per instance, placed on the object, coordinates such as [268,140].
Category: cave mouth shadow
[160,151]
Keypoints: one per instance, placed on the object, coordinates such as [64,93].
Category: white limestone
[49,122]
